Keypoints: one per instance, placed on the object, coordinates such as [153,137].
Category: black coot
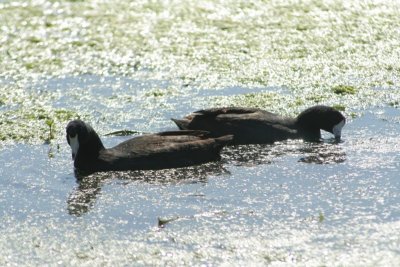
[152,151]
[256,126]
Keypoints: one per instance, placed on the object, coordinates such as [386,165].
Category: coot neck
[308,126]
[309,134]
[88,151]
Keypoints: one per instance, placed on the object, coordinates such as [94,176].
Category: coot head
[81,135]
[319,117]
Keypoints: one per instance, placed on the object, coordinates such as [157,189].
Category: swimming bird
[162,150]
[257,126]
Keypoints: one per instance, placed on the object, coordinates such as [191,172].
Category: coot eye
[72,131]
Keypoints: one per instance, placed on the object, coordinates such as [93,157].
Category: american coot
[147,152]
[256,126]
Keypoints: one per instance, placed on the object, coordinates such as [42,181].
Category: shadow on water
[83,197]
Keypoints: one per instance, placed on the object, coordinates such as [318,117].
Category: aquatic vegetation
[308,47]
[339,107]
[38,124]
[50,123]
[216,43]
[159,92]
[344,90]
[321,217]
[267,100]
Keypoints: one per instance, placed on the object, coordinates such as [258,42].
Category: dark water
[288,203]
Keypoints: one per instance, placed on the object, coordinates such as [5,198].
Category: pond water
[289,203]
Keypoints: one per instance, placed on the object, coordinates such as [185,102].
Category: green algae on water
[315,50]
[321,217]
[344,90]
[35,124]
[159,92]
[217,43]
[339,107]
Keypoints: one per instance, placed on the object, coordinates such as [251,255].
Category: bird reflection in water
[328,151]
[83,197]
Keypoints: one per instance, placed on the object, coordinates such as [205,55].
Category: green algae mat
[340,53]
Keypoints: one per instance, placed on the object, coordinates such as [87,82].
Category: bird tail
[182,124]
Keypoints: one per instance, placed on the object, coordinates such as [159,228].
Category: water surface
[135,64]
[292,202]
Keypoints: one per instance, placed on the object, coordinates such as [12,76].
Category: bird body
[257,126]
[163,150]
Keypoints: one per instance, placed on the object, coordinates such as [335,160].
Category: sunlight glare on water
[293,203]
[133,65]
